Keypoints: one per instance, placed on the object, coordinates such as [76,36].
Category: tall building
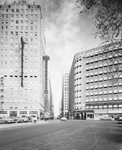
[22,48]
[50,100]
[65,94]
[91,94]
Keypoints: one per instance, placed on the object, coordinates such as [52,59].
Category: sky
[67,32]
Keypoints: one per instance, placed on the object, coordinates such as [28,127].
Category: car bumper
[120,122]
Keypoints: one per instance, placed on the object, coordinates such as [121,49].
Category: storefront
[83,114]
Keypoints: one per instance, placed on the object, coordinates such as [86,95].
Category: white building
[50,99]
[91,94]
[22,48]
[65,94]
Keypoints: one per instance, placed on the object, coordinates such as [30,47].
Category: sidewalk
[26,124]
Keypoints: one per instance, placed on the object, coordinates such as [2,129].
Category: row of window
[105,106]
[20,28]
[19,15]
[19,76]
[98,80]
[104,99]
[19,107]
[103,93]
[21,4]
[101,53]
[101,86]
[17,10]
[102,67]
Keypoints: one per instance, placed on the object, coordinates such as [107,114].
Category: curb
[23,125]
[20,125]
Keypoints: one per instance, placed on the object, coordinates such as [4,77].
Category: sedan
[1,120]
[63,118]
[8,120]
[20,120]
[120,120]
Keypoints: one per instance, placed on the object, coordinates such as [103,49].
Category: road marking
[74,132]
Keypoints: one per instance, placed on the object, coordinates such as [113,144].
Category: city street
[64,135]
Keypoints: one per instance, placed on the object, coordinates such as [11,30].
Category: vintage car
[8,120]
[120,120]
[63,118]
[1,120]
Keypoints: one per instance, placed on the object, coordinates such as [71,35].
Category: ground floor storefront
[19,113]
[96,114]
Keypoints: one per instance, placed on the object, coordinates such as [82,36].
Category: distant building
[22,47]
[91,95]
[50,100]
[65,94]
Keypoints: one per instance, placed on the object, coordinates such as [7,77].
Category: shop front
[84,114]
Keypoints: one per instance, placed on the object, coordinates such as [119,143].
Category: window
[17,10]
[17,21]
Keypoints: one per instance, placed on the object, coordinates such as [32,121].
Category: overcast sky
[67,32]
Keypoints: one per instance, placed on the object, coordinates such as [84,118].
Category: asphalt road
[64,135]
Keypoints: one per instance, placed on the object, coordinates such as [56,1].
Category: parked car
[25,119]
[120,120]
[106,118]
[8,120]
[1,120]
[58,117]
[20,120]
[15,119]
[63,118]
[33,118]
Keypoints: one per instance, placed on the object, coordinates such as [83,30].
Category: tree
[108,21]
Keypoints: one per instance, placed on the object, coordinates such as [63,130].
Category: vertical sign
[22,60]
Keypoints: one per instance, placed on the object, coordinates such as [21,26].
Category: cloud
[67,33]
[62,30]
[62,40]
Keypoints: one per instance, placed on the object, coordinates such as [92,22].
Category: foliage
[108,17]
[108,21]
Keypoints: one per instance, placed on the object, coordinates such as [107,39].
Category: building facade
[65,94]
[22,48]
[50,100]
[91,94]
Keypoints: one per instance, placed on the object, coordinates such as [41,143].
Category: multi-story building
[50,100]
[65,94]
[91,93]
[22,48]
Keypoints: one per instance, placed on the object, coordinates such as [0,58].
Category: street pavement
[64,135]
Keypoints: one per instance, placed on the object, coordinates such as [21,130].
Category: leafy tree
[108,21]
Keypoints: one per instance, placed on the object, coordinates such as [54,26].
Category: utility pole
[22,59]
